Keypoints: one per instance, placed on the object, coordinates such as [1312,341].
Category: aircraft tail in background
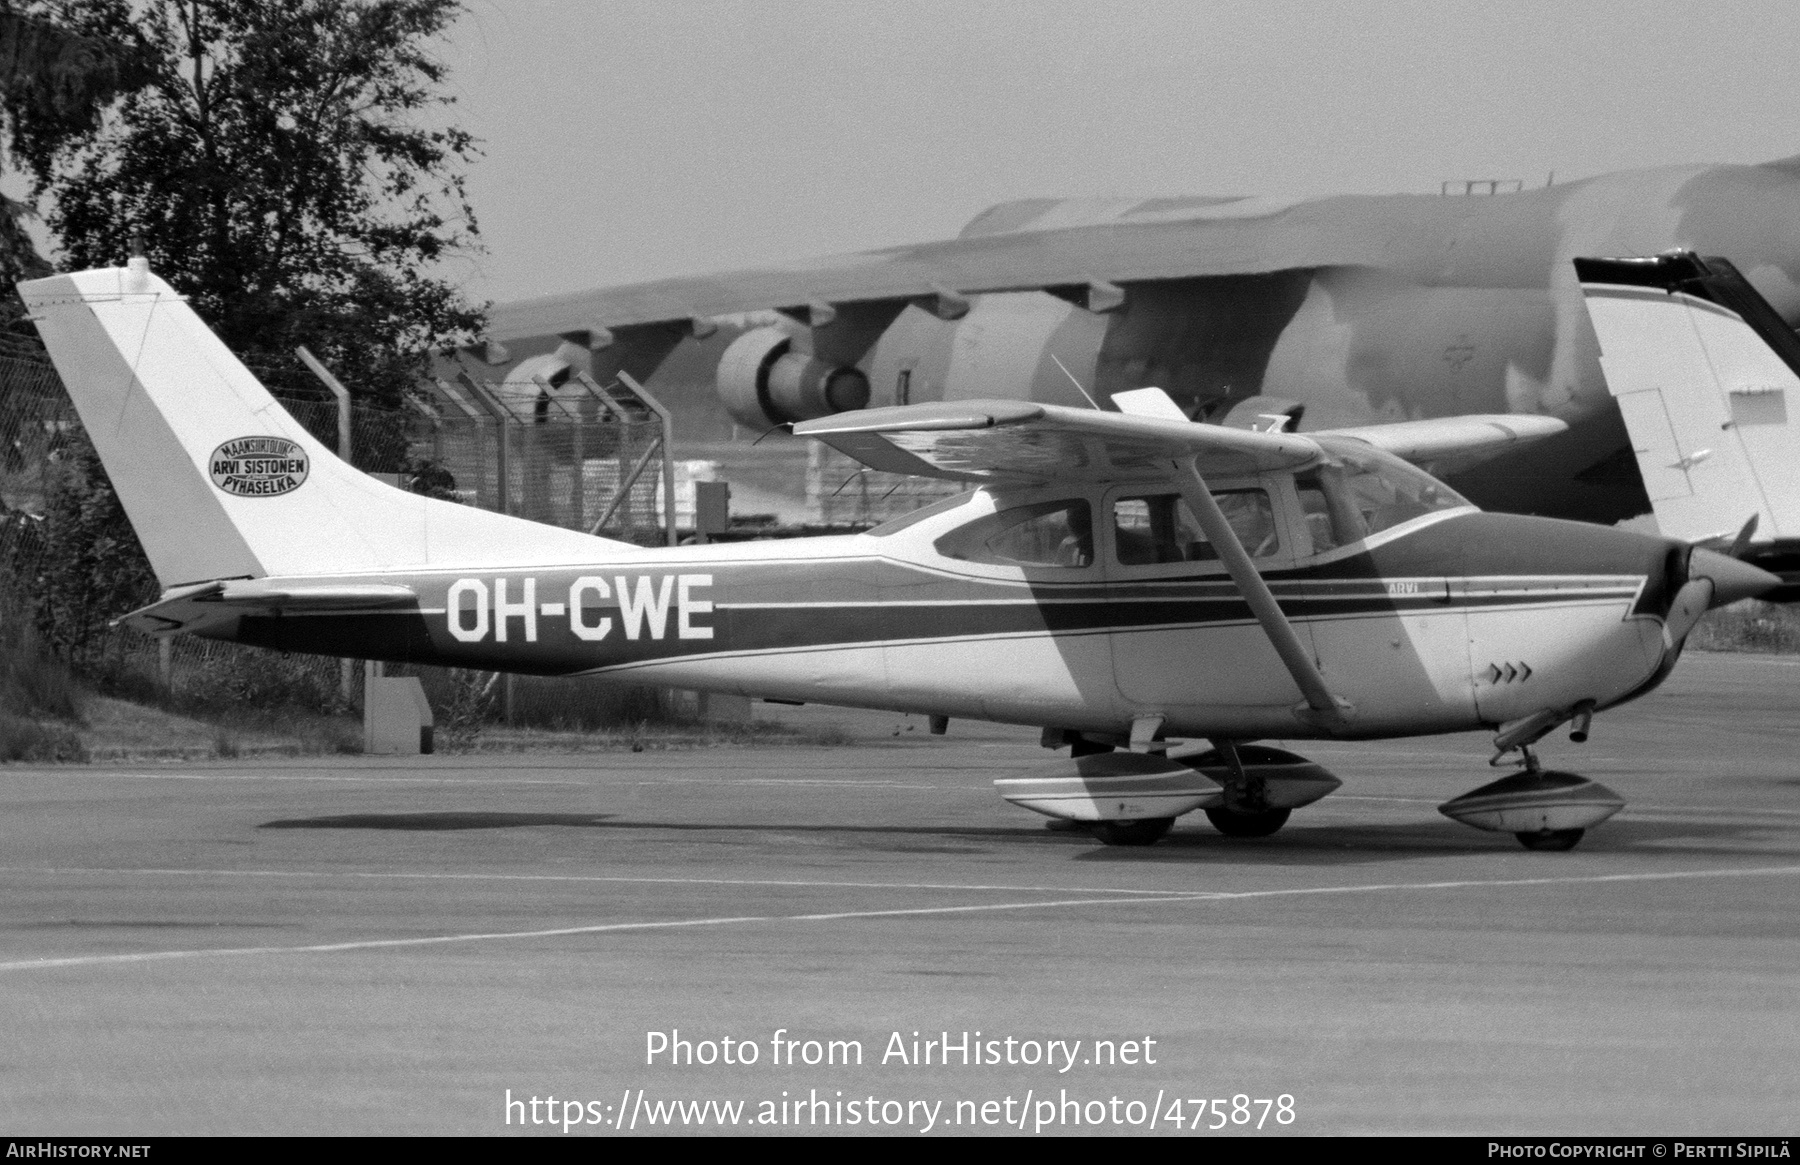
[218,479]
[1707,377]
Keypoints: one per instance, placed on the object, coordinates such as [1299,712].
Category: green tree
[281,168]
[54,85]
[91,568]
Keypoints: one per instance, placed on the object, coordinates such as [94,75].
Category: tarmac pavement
[403,945]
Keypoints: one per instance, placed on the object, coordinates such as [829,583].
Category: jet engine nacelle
[764,381]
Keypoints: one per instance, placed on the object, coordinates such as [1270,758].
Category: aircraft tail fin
[219,480]
[1705,372]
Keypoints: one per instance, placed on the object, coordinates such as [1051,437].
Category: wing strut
[1321,707]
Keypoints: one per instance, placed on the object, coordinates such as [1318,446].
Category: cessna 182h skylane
[1126,578]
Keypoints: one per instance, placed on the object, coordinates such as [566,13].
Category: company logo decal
[259,467]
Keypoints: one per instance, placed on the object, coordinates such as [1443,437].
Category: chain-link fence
[844,494]
[35,418]
[566,474]
[565,471]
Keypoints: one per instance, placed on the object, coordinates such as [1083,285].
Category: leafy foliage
[32,741]
[54,83]
[279,168]
[32,685]
[92,569]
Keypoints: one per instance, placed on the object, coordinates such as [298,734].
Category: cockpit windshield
[1361,490]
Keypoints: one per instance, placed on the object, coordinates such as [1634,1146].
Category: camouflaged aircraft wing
[1019,442]
[1078,248]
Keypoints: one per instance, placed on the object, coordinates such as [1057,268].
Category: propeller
[1713,580]
[1741,544]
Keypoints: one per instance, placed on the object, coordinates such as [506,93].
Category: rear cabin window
[1158,528]
[908,520]
[1059,533]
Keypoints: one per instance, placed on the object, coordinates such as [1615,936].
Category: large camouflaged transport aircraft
[1127,581]
[1348,310]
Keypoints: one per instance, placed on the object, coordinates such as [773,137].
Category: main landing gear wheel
[1550,839]
[1238,823]
[1147,831]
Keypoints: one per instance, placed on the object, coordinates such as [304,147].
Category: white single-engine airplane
[1120,579]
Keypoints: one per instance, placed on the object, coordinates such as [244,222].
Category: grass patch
[34,686]
[120,730]
[35,742]
[1751,625]
[225,701]
[587,704]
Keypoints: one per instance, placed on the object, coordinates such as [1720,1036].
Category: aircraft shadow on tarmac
[1322,845]
[1338,844]
[432,822]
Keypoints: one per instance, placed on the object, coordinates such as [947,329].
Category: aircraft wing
[1009,441]
[202,605]
[1465,440]
[1147,240]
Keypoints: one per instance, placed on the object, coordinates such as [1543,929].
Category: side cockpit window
[1331,518]
[1155,529]
[1059,533]
[1362,491]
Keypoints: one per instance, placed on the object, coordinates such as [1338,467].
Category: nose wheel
[1247,823]
[1550,840]
[1246,811]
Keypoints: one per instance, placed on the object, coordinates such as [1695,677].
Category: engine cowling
[764,381]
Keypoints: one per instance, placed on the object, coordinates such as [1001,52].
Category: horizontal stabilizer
[1705,373]
[194,608]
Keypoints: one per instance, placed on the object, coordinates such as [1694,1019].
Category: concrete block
[396,717]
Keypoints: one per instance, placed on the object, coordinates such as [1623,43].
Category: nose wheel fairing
[1545,809]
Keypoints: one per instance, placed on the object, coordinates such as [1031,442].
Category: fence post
[504,419]
[502,415]
[576,507]
[337,390]
[346,668]
[668,449]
